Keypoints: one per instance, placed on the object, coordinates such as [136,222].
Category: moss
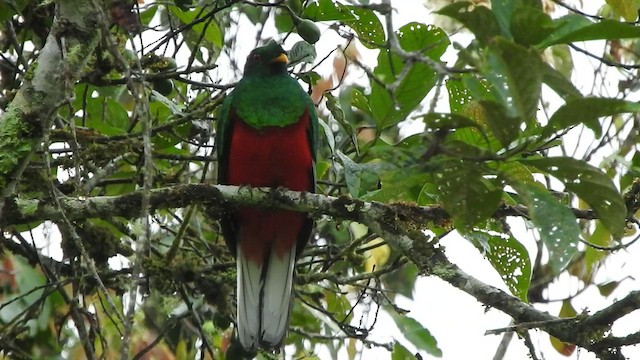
[102,154]
[27,206]
[217,288]
[14,146]
[443,271]
[28,76]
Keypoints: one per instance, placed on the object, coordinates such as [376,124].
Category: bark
[47,85]
[400,224]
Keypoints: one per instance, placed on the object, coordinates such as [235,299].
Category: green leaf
[464,130]
[339,306]
[310,77]
[147,14]
[209,29]
[559,83]
[516,170]
[388,109]
[504,127]
[459,95]
[328,135]
[360,178]
[607,288]
[282,20]
[590,184]
[508,256]
[556,224]
[529,25]
[416,334]
[401,281]
[401,353]
[572,28]
[446,121]
[592,256]
[27,206]
[341,109]
[397,186]
[175,109]
[478,88]
[462,149]
[465,98]
[8,8]
[632,172]
[478,19]
[301,52]
[358,100]
[363,21]
[503,12]
[106,116]
[587,111]
[465,194]
[515,73]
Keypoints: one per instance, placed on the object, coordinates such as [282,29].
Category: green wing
[313,136]
[223,128]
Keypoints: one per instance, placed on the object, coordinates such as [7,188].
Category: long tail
[264,298]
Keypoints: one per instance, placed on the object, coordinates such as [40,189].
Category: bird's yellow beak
[282,58]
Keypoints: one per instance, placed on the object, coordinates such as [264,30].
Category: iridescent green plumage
[266,136]
[262,99]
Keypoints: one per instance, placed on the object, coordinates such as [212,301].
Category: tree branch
[218,197]
[400,224]
[73,37]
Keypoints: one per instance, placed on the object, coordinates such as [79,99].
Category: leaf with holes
[589,184]
[516,78]
[392,101]
[508,256]
[363,21]
[480,20]
[556,224]
[465,194]
[587,111]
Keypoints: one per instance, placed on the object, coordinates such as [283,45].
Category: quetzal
[266,137]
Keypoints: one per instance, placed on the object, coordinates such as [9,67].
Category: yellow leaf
[625,8]
[351,349]
[181,350]
[564,348]
[357,230]
[377,256]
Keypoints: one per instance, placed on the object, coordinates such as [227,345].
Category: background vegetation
[106,145]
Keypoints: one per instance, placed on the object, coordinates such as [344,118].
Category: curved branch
[400,224]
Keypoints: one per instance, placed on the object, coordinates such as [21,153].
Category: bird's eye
[256,57]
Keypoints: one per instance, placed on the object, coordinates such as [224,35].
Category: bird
[266,137]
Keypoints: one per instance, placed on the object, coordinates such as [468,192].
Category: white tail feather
[248,285]
[276,297]
[264,300]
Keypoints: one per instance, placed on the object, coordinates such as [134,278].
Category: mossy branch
[47,85]
[400,224]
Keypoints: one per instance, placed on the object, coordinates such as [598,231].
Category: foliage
[486,145]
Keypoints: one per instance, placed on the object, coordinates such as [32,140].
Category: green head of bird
[266,60]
